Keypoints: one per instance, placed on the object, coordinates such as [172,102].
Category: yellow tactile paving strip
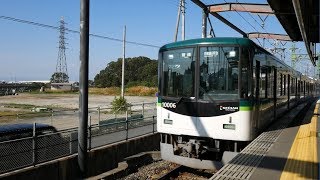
[302,162]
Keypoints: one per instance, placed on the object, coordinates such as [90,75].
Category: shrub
[119,104]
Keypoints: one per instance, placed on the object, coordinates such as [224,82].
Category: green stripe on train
[245,105]
[246,108]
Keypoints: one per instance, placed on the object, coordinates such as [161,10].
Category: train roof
[214,41]
[210,41]
[223,41]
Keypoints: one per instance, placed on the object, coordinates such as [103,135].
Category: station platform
[289,149]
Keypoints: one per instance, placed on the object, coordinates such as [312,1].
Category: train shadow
[303,117]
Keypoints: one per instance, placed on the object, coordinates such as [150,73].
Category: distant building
[35,81]
[63,86]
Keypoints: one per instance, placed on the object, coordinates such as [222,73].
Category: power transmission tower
[61,74]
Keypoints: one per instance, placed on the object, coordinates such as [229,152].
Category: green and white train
[218,94]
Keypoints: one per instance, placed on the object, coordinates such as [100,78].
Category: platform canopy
[285,12]
[300,19]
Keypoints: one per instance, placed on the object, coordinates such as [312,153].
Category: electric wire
[245,21]
[74,31]
[252,25]
[258,24]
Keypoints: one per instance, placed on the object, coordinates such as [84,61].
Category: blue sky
[30,52]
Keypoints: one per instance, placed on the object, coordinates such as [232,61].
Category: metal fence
[111,127]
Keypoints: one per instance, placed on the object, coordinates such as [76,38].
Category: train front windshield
[179,72]
[216,78]
[218,73]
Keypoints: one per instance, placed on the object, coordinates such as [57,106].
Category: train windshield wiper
[180,100]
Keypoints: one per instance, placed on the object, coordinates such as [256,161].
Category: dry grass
[141,91]
[59,91]
[105,91]
[132,91]
[8,116]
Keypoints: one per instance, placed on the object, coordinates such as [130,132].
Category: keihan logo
[228,108]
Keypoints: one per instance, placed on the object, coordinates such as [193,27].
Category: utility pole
[177,23]
[204,24]
[123,61]
[183,11]
[83,87]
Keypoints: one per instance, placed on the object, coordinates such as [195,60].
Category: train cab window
[218,73]
[178,68]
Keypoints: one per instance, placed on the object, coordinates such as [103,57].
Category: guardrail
[37,148]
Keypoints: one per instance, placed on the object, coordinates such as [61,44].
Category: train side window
[293,86]
[280,84]
[284,84]
[297,86]
[270,82]
[254,77]
[264,83]
[304,88]
[307,88]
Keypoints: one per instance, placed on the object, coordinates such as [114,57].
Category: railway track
[183,172]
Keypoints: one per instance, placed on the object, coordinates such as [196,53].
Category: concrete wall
[99,160]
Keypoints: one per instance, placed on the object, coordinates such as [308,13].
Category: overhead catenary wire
[252,25]
[246,21]
[74,31]
[237,1]
[285,52]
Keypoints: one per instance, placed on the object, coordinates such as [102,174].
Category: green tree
[138,71]
[59,77]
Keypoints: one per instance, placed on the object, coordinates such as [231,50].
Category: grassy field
[110,91]
[132,91]
[16,109]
